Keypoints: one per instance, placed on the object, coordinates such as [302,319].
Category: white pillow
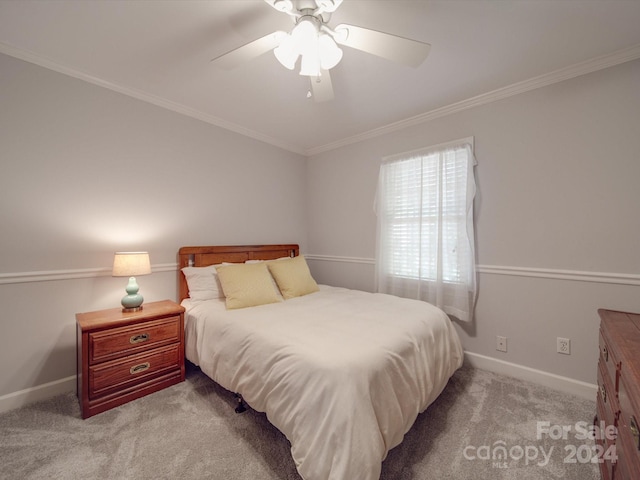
[203,283]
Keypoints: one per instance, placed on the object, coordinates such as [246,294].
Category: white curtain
[425,240]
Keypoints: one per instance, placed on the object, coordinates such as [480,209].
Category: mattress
[342,373]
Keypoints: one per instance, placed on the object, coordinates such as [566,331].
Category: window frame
[430,219]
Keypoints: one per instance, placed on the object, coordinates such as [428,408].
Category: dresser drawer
[608,359]
[607,395]
[118,342]
[629,428]
[604,414]
[118,375]
[622,468]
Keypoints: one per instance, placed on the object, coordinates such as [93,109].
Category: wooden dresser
[126,355]
[618,399]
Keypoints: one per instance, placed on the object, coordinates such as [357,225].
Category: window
[425,227]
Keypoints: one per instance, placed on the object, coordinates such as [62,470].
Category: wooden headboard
[212,255]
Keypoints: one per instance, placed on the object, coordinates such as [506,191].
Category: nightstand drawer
[117,375]
[118,342]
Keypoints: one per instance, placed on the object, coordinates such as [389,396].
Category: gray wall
[558,178]
[85,172]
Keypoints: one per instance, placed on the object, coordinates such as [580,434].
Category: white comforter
[342,373]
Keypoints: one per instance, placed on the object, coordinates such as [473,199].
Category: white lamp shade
[126,264]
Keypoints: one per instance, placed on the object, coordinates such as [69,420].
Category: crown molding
[41,61]
[576,70]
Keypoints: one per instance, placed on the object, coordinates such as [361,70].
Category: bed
[343,374]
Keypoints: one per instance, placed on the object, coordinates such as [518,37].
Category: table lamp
[129,264]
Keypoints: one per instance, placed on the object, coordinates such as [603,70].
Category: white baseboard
[557,382]
[564,384]
[34,394]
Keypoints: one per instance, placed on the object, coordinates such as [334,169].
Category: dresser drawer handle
[143,337]
[139,368]
[603,392]
[605,353]
[633,426]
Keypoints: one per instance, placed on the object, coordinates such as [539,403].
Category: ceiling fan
[316,44]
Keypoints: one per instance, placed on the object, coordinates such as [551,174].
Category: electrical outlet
[563,345]
[501,343]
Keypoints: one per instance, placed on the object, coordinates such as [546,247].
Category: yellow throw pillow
[247,285]
[293,277]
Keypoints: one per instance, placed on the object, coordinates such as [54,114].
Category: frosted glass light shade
[287,53]
[310,63]
[330,53]
[305,34]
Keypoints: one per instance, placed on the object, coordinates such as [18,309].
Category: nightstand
[126,355]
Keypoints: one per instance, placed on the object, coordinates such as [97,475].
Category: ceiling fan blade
[391,47]
[321,87]
[249,51]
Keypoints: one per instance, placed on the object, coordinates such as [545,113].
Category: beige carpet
[190,431]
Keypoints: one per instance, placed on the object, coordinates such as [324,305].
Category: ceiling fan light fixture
[316,47]
[287,52]
[310,65]
[330,53]
[305,34]
[319,45]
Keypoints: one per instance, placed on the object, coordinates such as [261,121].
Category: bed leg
[242,407]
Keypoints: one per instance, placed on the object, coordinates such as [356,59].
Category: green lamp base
[132,302]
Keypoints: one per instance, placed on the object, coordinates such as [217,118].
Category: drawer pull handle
[603,392]
[139,368]
[605,353]
[143,337]
[633,426]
